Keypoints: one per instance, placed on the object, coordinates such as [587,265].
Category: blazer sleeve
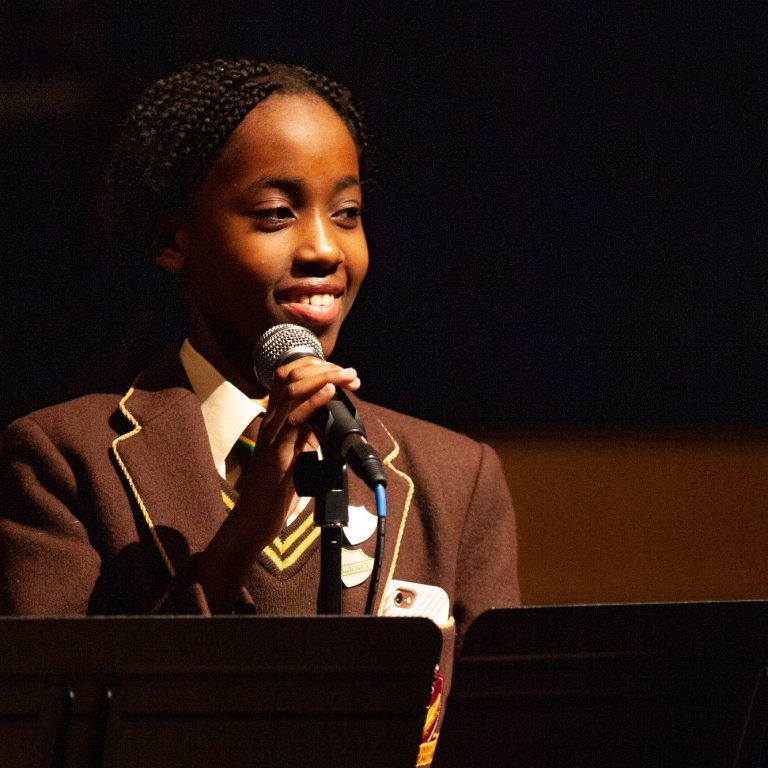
[486,575]
[47,563]
[186,596]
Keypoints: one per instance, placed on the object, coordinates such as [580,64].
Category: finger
[299,384]
[299,363]
[303,368]
[300,415]
[300,400]
[308,391]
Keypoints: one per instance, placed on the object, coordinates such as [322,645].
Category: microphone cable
[381,527]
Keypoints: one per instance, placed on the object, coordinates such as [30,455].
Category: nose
[318,250]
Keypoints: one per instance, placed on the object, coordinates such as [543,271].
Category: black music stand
[607,686]
[214,692]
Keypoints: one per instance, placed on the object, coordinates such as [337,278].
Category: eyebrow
[292,184]
[345,182]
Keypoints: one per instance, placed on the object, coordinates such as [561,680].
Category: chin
[328,342]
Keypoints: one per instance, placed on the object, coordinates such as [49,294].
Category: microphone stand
[326,480]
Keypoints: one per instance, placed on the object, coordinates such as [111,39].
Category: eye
[348,217]
[271,219]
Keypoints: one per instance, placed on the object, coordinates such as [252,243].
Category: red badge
[430,732]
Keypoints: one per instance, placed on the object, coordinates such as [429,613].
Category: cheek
[358,266]
[225,267]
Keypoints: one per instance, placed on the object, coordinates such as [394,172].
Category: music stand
[636,686]
[206,692]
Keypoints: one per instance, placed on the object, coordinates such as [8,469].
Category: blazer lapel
[166,460]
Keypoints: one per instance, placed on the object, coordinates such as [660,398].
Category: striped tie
[242,451]
[248,439]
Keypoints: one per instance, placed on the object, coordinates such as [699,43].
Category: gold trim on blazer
[145,513]
[391,456]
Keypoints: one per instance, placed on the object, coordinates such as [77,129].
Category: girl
[245,181]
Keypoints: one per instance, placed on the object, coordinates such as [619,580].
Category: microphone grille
[276,344]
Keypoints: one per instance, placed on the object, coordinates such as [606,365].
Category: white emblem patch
[360,527]
[356,567]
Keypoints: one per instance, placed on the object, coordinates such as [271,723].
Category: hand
[299,389]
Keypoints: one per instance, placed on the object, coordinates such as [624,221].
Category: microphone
[336,425]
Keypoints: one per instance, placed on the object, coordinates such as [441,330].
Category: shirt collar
[226,410]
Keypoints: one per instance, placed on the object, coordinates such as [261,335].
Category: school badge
[356,567]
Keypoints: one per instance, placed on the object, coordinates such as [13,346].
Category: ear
[170,249]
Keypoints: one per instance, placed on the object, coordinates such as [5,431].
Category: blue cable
[381,516]
[381,500]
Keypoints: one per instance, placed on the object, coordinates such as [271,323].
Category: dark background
[569,228]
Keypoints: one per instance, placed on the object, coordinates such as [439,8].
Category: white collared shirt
[226,411]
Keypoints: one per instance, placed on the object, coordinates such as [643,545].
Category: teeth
[317,299]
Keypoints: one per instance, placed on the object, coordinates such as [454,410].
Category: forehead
[286,130]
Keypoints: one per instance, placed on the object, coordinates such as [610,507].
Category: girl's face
[274,235]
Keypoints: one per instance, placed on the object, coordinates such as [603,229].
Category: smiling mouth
[318,308]
[309,298]
[314,299]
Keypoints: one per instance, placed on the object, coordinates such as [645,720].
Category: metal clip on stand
[326,480]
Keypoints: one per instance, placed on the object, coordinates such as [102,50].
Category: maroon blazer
[106,500]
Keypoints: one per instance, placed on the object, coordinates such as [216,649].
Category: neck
[231,356]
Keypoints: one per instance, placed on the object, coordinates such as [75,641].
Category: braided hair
[177,129]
